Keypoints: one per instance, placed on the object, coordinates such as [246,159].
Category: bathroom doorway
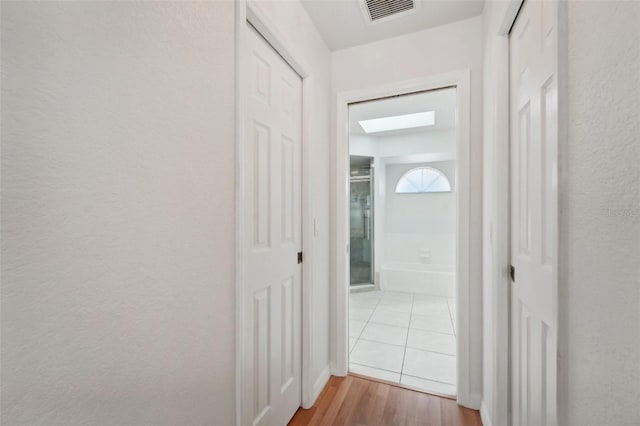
[402,235]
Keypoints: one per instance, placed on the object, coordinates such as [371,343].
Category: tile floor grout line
[424,329]
[385,343]
[426,350]
[375,307]
[405,346]
[434,331]
[370,315]
[404,356]
[424,378]
[366,323]
[378,368]
[361,331]
[378,304]
[393,325]
[451,319]
[403,374]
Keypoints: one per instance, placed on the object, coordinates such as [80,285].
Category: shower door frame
[372,227]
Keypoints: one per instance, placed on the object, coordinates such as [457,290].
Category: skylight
[398,122]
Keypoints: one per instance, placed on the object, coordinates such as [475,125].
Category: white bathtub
[424,278]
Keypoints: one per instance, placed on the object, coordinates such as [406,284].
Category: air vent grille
[379,9]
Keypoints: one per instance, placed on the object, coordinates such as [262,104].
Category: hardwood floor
[355,401]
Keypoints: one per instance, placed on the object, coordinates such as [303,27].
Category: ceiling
[342,23]
[442,101]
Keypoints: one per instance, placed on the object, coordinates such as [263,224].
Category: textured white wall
[599,304]
[415,222]
[435,51]
[432,145]
[300,35]
[442,142]
[362,145]
[117,213]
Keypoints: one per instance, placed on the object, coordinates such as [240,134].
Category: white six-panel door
[273,236]
[534,213]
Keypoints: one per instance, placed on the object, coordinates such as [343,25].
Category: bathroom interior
[402,302]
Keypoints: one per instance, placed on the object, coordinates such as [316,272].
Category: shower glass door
[361,224]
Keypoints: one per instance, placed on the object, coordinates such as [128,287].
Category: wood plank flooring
[356,401]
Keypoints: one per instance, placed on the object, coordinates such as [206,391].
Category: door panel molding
[250,12]
[533,56]
[271,362]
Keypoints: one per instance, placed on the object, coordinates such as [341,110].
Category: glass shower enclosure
[361,221]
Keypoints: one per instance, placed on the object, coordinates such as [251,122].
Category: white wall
[435,51]
[117,213]
[599,304]
[299,34]
[439,142]
[416,222]
[118,182]
[362,145]
[438,145]
[403,148]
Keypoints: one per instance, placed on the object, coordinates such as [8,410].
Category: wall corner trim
[484,414]
[318,385]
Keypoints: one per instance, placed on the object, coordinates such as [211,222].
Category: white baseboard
[333,369]
[484,415]
[472,400]
[318,385]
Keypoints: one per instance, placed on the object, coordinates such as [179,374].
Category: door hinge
[299,257]
[512,272]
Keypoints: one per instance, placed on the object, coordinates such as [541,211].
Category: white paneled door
[272,236]
[534,213]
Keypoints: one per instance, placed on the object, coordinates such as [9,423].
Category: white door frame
[499,414]
[461,80]
[250,11]
[501,379]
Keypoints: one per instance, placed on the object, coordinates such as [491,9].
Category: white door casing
[533,67]
[468,350]
[271,357]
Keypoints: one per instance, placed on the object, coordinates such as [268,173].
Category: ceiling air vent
[377,10]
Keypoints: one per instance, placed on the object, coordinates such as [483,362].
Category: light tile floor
[404,338]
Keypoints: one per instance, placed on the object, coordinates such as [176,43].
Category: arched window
[423,180]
